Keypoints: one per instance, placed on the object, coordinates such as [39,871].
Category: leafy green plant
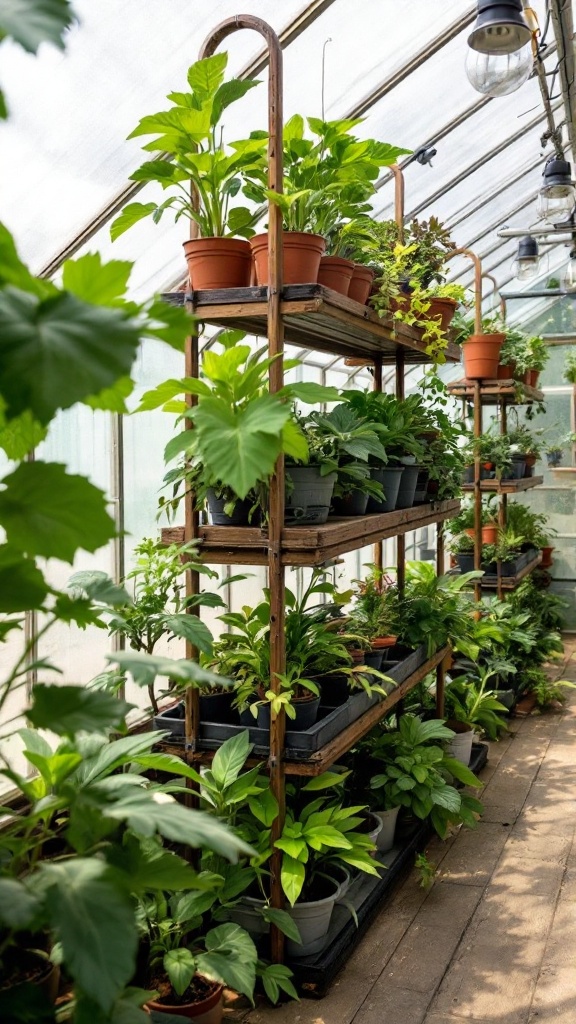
[570,368]
[376,607]
[547,691]
[189,147]
[345,443]
[426,869]
[471,701]
[436,612]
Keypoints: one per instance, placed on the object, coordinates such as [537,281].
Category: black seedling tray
[299,745]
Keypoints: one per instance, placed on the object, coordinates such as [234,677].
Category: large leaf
[283,921]
[57,351]
[205,76]
[93,917]
[112,399]
[67,710]
[145,667]
[93,281]
[230,957]
[18,907]
[21,435]
[22,585]
[47,511]
[149,867]
[191,628]
[98,586]
[31,22]
[229,759]
[292,875]
[180,966]
[130,215]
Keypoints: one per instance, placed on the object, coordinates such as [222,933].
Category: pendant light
[569,279]
[557,195]
[500,56]
[528,258]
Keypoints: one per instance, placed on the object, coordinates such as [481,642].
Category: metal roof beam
[466,212]
[563,25]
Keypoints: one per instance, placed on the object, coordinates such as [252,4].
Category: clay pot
[489,533]
[360,283]
[532,376]
[335,273]
[381,642]
[302,252]
[218,262]
[546,558]
[206,1011]
[481,355]
[444,308]
[507,372]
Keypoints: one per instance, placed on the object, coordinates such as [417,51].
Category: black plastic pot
[246,717]
[334,688]
[373,659]
[308,499]
[516,471]
[468,475]
[354,504]
[218,516]
[420,494]
[465,562]
[217,707]
[306,714]
[389,477]
[485,474]
[407,487]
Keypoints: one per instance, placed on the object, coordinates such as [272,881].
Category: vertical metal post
[276,379]
[441,668]
[502,504]
[401,539]
[477,490]
[398,198]
[379,545]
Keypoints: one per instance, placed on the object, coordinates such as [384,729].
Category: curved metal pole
[276,379]
[477,284]
[490,277]
[398,198]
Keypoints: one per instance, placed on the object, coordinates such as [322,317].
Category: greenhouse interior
[287,512]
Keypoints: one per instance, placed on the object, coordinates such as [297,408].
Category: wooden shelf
[511,582]
[315,318]
[311,545]
[497,392]
[506,486]
[321,759]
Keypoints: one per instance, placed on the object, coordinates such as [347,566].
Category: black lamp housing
[500,27]
[527,248]
[557,177]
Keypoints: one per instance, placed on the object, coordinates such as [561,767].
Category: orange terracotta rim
[384,641]
[336,273]
[301,257]
[190,1010]
[360,284]
[218,263]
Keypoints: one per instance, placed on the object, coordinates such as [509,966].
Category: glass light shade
[498,74]
[556,208]
[526,267]
[569,279]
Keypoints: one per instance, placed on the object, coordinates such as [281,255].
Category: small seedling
[427,870]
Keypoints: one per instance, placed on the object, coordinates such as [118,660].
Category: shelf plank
[506,486]
[314,318]
[511,582]
[494,392]
[311,545]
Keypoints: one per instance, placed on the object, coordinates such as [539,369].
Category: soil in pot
[306,709]
[309,497]
[360,284]
[218,262]
[389,477]
[461,746]
[353,504]
[335,273]
[202,1001]
[218,517]
[302,252]
[407,487]
[482,355]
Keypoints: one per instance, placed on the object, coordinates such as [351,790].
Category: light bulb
[526,268]
[555,208]
[498,74]
[569,280]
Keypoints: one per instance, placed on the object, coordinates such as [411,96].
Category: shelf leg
[378,553]
[401,540]
[477,491]
[192,697]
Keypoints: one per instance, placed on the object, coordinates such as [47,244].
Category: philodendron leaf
[93,281]
[22,585]
[67,710]
[20,435]
[145,667]
[47,511]
[92,914]
[31,22]
[18,906]
[57,351]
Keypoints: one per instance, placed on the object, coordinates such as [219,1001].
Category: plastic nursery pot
[302,252]
[218,517]
[468,475]
[507,371]
[389,477]
[461,746]
[487,471]
[385,838]
[335,273]
[444,308]
[217,707]
[360,284]
[481,355]
[308,499]
[421,490]
[306,709]
[218,262]
[205,1010]
[370,826]
[407,487]
[516,471]
[334,688]
[465,562]
[546,558]
[531,378]
[353,504]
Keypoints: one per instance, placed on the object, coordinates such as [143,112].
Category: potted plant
[512,353]
[434,611]
[482,351]
[462,549]
[465,520]
[536,358]
[327,180]
[202,175]
[376,609]
[472,702]
[349,442]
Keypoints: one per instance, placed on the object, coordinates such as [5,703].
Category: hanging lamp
[500,55]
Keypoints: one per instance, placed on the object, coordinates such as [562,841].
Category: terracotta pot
[507,372]
[381,642]
[218,262]
[335,273]
[489,533]
[302,252]
[360,283]
[444,308]
[481,355]
[546,558]
[530,460]
[532,376]
[400,303]
[204,1011]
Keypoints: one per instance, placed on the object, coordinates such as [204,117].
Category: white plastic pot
[461,746]
[385,838]
[313,921]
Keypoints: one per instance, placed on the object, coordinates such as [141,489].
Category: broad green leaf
[191,628]
[446,797]
[167,323]
[461,772]
[229,759]
[14,271]
[98,586]
[294,442]
[90,279]
[22,585]
[310,393]
[180,966]
[145,667]
[326,781]
[126,1009]
[21,435]
[92,915]
[292,876]
[31,22]
[205,76]
[168,763]
[227,93]
[318,836]
[112,399]
[149,868]
[283,921]
[130,215]
[67,710]
[57,351]
[264,807]
[28,1004]
[18,906]
[47,511]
